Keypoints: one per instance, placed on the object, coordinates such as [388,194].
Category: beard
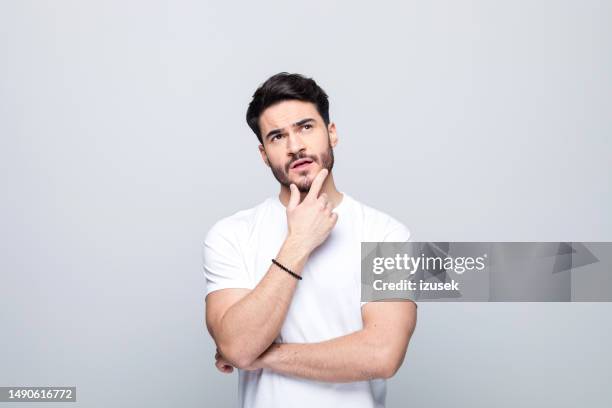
[281,173]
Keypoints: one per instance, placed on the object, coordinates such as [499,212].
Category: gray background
[123,140]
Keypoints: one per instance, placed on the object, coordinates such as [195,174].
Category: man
[283,278]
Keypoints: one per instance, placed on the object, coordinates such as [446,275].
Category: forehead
[285,113]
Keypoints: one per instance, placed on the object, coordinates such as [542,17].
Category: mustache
[296,158]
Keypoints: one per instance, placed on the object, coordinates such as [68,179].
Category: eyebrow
[299,123]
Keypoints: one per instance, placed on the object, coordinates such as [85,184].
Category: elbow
[389,370]
[390,364]
[244,362]
[237,356]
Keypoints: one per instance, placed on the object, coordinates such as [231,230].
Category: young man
[283,278]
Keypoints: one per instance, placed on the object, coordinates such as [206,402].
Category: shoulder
[379,226]
[236,225]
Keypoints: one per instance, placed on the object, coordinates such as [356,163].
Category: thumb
[294,199]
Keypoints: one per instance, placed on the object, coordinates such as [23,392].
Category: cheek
[277,162]
[322,146]
[273,158]
[318,144]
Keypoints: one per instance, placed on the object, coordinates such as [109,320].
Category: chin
[304,188]
[300,177]
[302,182]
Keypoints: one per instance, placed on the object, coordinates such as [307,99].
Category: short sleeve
[223,261]
[395,231]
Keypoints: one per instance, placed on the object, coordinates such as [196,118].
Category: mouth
[301,164]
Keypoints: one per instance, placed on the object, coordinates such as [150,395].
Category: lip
[303,162]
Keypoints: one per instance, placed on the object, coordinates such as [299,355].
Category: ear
[333,136]
[264,156]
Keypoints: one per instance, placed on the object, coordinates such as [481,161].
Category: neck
[328,187]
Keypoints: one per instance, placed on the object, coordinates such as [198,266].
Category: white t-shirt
[327,302]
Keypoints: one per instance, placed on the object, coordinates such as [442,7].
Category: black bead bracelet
[295,275]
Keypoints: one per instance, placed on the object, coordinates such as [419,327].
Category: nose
[295,144]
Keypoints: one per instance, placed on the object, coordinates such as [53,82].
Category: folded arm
[376,351]
[245,322]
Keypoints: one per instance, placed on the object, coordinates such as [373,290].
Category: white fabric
[326,303]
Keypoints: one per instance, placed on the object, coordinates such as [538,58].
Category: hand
[311,221]
[222,364]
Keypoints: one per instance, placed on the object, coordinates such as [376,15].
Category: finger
[294,199]
[224,368]
[223,363]
[334,217]
[315,187]
[324,201]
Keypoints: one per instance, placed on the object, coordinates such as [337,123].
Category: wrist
[268,358]
[297,246]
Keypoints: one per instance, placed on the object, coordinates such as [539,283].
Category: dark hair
[281,87]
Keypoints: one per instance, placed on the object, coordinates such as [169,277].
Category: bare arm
[376,351]
[245,322]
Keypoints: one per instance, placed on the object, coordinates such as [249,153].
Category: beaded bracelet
[295,275]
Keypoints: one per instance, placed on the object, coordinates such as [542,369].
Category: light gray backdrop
[123,140]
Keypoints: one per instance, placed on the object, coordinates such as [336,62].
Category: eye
[307,126]
[274,138]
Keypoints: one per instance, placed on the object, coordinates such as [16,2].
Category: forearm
[250,325]
[244,326]
[357,356]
